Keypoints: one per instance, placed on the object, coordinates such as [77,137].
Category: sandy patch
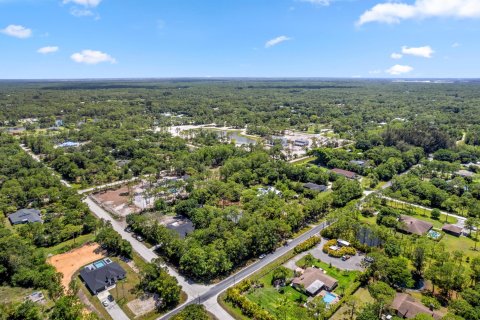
[70,262]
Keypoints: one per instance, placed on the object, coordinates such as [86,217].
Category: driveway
[351,264]
[113,308]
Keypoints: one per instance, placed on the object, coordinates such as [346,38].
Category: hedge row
[307,244]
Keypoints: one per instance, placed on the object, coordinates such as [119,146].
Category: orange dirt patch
[68,263]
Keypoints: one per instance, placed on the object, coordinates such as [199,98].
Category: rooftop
[25,216]
[313,276]
[408,307]
[345,173]
[102,274]
[415,226]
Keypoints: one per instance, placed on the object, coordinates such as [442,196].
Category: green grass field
[362,296]
[274,301]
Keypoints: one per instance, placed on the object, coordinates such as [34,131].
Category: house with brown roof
[452,229]
[313,280]
[347,174]
[414,226]
[407,307]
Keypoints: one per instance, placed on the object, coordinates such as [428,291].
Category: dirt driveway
[69,262]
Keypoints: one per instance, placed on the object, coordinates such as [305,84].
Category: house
[464,173]
[301,143]
[414,226]
[315,187]
[313,280]
[347,174]
[452,229]
[25,216]
[101,275]
[407,307]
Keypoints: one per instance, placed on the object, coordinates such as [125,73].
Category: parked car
[262,256]
[140,238]
[346,257]
[128,229]
[105,303]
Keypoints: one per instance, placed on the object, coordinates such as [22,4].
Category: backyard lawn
[362,296]
[286,305]
[463,244]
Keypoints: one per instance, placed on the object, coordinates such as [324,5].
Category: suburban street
[216,289]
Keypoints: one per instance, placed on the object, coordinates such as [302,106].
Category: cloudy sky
[247,38]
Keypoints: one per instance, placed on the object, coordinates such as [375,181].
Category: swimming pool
[434,234]
[99,264]
[329,298]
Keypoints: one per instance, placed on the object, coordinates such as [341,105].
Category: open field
[68,263]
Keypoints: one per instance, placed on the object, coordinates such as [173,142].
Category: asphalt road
[247,271]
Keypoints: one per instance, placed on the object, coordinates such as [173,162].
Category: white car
[262,256]
[105,303]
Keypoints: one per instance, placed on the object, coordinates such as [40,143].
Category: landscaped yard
[424,215]
[463,244]
[286,305]
[345,279]
[362,296]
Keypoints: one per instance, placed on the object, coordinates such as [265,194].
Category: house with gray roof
[101,275]
[25,216]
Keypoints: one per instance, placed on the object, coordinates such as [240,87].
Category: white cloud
[17,31]
[375,72]
[425,52]
[399,69]
[275,41]
[317,2]
[395,12]
[85,3]
[456,45]
[92,57]
[396,55]
[76,12]
[46,50]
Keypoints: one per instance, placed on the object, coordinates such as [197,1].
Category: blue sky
[247,38]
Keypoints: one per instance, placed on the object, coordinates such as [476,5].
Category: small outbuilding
[452,229]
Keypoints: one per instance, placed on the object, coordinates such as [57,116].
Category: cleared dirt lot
[68,263]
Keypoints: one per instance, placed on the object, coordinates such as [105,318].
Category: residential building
[407,307]
[452,229]
[301,143]
[414,226]
[101,275]
[347,174]
[313,280]
[25,216]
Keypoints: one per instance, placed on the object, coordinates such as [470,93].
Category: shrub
[431,302]
[307,244]
[340,252]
